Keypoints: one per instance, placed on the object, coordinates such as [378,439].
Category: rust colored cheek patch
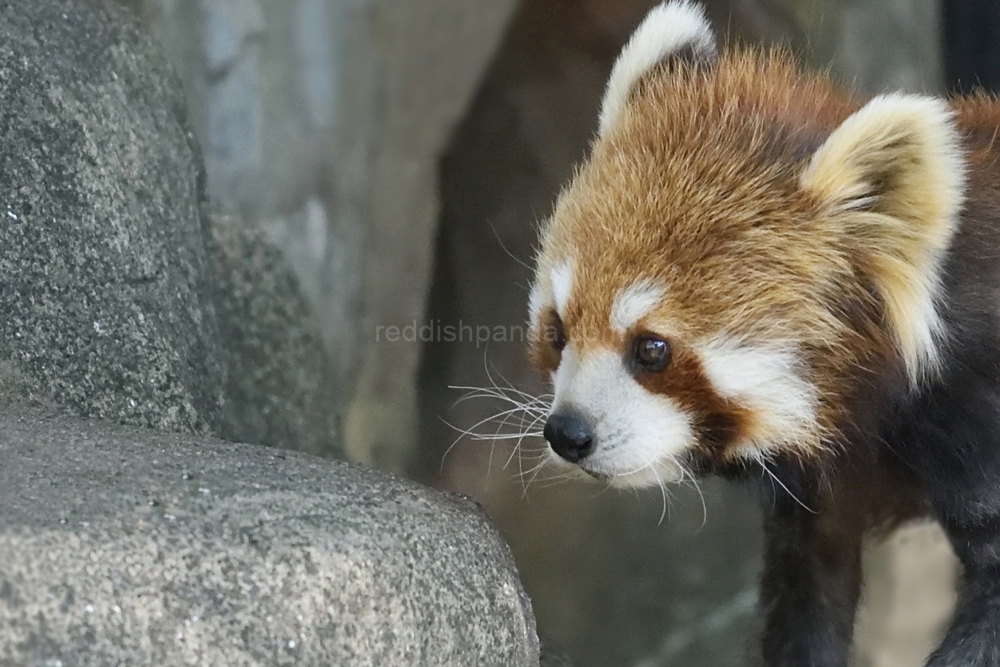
[547,341]
[719,423]
[544,357]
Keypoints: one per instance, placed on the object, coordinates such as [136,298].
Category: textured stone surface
[279,388]
[109,285]
[283,98]
[102,247]
[128,547]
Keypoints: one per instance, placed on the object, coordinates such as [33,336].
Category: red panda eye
[652,353]
[558,337]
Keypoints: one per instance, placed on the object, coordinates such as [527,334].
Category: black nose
[569,436]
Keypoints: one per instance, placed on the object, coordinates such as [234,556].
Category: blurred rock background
[399,155]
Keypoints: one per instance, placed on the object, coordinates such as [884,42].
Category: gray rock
[102,242]
[132,547]
[286,98]
[279,390]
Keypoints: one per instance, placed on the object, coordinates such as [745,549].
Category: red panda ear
[674,29]
[892,177]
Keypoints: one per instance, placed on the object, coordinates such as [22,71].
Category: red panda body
[762,275]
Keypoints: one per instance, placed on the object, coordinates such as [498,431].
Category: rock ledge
[130,547]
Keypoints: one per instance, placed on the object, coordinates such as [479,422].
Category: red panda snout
[570,435]
[603,420]
[720,401]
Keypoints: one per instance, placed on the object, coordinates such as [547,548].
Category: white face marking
[536,304]
[637,433]
[767,380]
[667,29]
[634,303]
[562,286]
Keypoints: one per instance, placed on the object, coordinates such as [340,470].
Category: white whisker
[517,422]
[685,473]
[774,478]
[663,492]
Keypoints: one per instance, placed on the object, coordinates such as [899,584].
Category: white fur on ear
[893,174]
[667,29]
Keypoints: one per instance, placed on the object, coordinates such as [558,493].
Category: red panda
[759,274]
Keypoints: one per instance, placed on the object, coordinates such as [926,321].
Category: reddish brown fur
[776,212]
[716,155]
[717,421]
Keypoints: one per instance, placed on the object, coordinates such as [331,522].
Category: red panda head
[743,249]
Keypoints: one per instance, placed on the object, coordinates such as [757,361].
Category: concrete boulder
[122,300]
[131,547]
[102,242]
[279,384]
[120,297]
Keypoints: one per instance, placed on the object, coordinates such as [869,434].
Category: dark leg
[955,449]
[974,639]
[812,578]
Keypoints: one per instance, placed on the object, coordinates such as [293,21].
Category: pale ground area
[909,597]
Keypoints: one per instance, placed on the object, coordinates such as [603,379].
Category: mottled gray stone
[279,390]
[284,98]
[121,547]
[102,244]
